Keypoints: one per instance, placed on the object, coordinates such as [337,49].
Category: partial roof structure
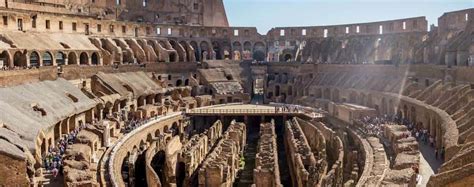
[45,41]
[28,109]
[135,83]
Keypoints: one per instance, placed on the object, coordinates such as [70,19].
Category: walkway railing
[112,169]
[240,111]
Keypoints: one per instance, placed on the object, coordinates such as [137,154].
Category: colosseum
[99,93]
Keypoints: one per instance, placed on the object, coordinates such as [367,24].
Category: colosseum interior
[166,94]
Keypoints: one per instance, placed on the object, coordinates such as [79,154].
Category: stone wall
[304,167]
[196,149]
[267,172]
[221,165]
[13,171]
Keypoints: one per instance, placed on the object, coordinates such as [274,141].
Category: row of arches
[37,59]
[225,50]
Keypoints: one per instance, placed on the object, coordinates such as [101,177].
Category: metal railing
[241,111]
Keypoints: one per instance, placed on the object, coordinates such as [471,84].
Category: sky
[266,14]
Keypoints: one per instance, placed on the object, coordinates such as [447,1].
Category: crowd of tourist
[53,159]
[374,126]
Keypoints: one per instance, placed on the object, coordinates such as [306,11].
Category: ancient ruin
[166,93]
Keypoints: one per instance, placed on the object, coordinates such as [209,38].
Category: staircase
[48,180]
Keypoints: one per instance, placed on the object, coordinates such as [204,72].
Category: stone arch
[60,58]
[47,59]
[277,90]
[179,49]
[236,48]
[384,108]
[405,111]
[188,51]
[175,129]
[157,133]
[391,107]
[413,114]
[95,58]
[226,50]
[186,82]
[180,174]
[19,59]
[197,51]
[335,95]
[34,59]
[205,50]
[72,58]
[179,82]
[327,94]
[5,57]
[159,163]
[247,46]
[353,97]
[216,47]
[287,57]
[370,100]
[84,59]
[362,100]
[259,51]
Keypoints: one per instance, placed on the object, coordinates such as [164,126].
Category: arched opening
[84,59]
[140,170]
[335,96]
[197,53]
[384,106]
[180,174]
[60,59]
[258,56]
[47,59]
[178,48]
[19,59]
[226,50]
[5,57]
[405,111]
[158,163]
[175,129]
[217,49]
[277,90]
[72,58]
[186,82]
[413,114]
[353,97]
[34,59]
[179,82]
[173,57]
[287,57]
[247,46]
[259,51]
[95,59]
[126,169]
[205,50]
[186,50]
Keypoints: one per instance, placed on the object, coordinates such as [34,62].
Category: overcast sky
[265,14]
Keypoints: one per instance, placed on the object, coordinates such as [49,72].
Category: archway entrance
[84,59]
[19,59]
[60,59]
[47,59]
[34,59]
[72,58]
[95,59]
[5,57]
[287,57]
[180,174]
[158,164]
